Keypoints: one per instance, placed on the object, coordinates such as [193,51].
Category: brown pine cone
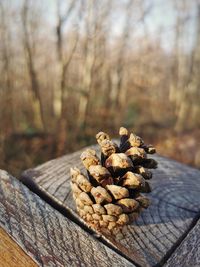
[109,197]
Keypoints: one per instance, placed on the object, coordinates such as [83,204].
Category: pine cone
[110,197]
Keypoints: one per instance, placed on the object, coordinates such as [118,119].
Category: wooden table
[39,225]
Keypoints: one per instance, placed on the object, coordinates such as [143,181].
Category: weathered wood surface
[150,240]
[47,236]
[11,255]
[188,253]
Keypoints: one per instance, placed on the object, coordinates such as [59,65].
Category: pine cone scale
[110,197]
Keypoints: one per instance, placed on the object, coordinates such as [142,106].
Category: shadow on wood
[48,237]
[175,205]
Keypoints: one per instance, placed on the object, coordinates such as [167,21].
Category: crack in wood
[27,181]
[159,230]
[178,243]
[32,223]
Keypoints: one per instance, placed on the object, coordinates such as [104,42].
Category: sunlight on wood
[11,254]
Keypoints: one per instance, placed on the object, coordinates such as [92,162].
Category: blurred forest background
[70,68]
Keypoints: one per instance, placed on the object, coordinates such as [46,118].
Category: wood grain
[11,254]
[150,240]
[48,237]
[188,253]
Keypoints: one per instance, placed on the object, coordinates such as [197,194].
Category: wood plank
[11,254]
[175,204]
[47,236]
[188,253]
